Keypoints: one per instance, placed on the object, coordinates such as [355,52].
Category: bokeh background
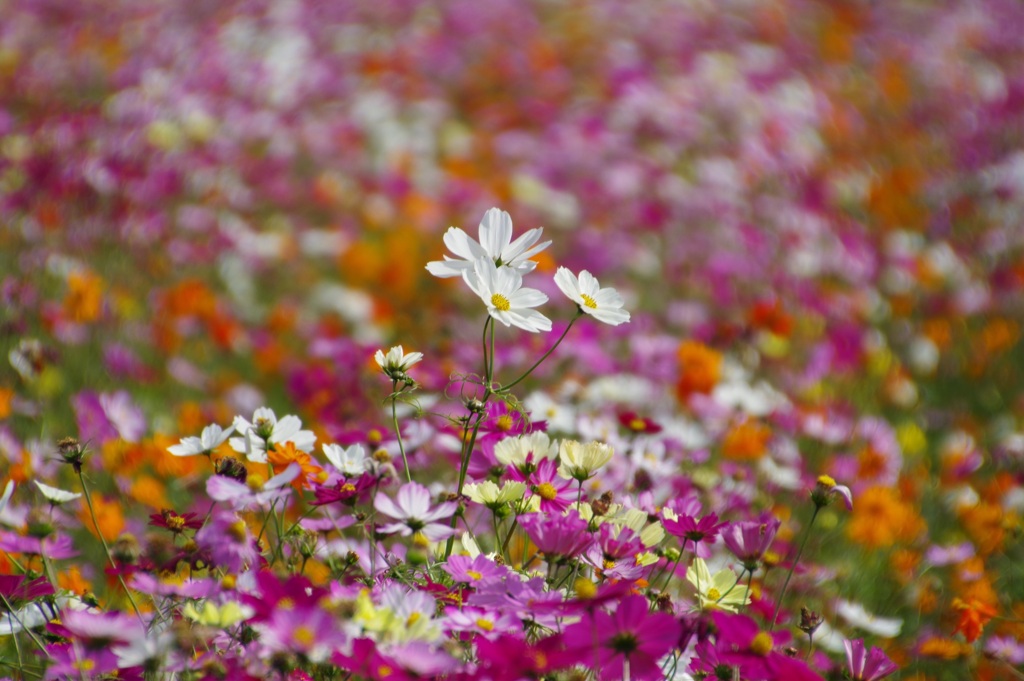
[210,206]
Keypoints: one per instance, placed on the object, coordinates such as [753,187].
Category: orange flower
[880,518]
[699,368]
[281,455]
[73,581]
[984,524]
[746,440]
[109,518]
[84,299]
[149,491]
[5,402]
[973,615]
[944,648]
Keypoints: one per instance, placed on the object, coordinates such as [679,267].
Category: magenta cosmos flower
[693,532]
[556,535]
[867,666]
[741,643]
[412,513]
[630,637]
[748,540]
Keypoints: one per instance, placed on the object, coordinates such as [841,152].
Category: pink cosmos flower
[555,535]
[867,666]
[741,642]
[748,540]
[242,497]
[227,539]
[631,636]
[483,622]
[412,513]
[555,492]
[474,571]
[697,533]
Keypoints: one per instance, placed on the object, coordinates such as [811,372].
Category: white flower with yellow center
[603,304]
[507,301]
[495,244]
[720,591]
[579,461]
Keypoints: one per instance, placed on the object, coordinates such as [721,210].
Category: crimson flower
[176,523]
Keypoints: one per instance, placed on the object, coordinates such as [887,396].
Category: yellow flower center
[474,575]
[637,424]
[286,603]
[305,636]
[504,422]
[413,619]
[486,625]
[547,491]
[255,481]
[176,522]
[348,488]
[588,301]
[384,671]
[714,594]
[237,530]
[585,588]
[500,302]
[826,481]
[762,643]
[85,665]
[228,582]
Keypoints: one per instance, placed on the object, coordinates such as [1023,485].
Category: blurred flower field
[508,340]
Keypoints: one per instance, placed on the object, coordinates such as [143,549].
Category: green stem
[505,389]
[483,342]
[31,634]
[792,567]
[106,549]
[467,451]
[508,537]
[398,431]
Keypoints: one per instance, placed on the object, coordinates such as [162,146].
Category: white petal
[495,232]
[527,297]
[568,284]
[462,245]
[57,496]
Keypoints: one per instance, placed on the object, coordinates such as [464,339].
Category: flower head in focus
[211,438]
[502,291]
[826,487]
[412,513]
[495,245]
[603,304]
[396,362]
[718,591]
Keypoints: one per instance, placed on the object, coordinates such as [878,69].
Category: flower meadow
[512,339]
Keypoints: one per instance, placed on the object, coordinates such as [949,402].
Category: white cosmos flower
[266,429]
[396,361]
[211,438]
[495,244]
[54,495]
[507,301]
[349,461]
[856,615]
[720,591]
[532,447]
[603,304]
[579,461]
